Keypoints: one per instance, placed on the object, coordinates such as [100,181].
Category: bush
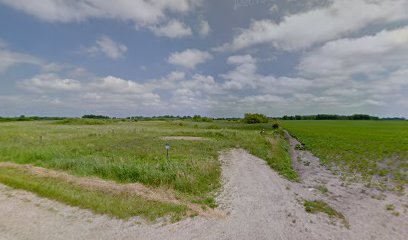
[198,118]
[252,118]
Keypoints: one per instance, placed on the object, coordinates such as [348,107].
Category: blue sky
[214,58]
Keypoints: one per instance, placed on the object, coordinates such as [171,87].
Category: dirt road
[258,202]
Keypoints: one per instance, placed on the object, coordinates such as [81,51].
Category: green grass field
[371,148]
[128,152]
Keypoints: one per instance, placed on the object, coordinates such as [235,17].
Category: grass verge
[117,205]
[129,152]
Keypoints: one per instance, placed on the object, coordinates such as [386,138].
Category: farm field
[131,152]
[371,148]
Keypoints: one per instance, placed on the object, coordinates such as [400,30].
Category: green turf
[370,148]
[135,152]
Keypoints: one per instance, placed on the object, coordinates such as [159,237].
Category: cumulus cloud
[204,28]
[50,82]
[370,55]
[108,47]
[305,29]
[172,29]
[245,77]
[189,58]
[143,13]
[10,58]
[118,85]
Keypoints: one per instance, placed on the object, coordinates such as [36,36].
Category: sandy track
[364,208]
[260,205]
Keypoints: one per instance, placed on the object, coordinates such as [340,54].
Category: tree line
[336,117]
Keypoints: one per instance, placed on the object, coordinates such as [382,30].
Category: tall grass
[135,151]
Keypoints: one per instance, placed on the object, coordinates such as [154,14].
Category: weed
[322,188]
[300,147]
[390,207]
[320,206]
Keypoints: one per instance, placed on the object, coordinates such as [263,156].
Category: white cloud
[201,84]
[274,8]
[189,58]
[244,74]
[370,55]
[262,99]
[176,75]
[108,47]
[305,29]
[53,67]
[241,59]
[141,12]
[172,29]
[117,92]
[244,77]
[204,28]
[118,85]
[9,58]
[50,82]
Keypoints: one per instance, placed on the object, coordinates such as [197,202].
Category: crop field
[132,152]
[371,148]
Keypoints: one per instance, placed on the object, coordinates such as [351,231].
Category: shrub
[198,118]
[251,118]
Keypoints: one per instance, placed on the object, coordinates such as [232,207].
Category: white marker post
[167,150]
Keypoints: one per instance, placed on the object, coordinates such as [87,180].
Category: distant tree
[91,116]
[331,117]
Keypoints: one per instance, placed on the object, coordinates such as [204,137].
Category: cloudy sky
[215,58]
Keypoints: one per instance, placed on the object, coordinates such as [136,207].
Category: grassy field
[371,148]
[128,152]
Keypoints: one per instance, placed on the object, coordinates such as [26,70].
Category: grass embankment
[371,148]
[128,152]
[119,205]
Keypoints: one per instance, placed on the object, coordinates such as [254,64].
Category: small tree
[252,118]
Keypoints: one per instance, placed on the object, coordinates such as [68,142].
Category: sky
[218,58]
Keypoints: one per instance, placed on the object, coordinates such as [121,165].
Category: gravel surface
[259,204]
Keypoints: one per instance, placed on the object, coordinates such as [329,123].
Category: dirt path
[364,208]
[260,205]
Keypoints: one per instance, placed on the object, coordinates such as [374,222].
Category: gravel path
[258,202]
